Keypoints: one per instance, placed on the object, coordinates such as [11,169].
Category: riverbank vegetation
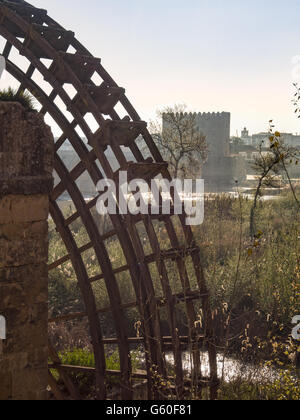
[254,285]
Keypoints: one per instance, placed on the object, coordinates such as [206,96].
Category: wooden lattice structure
[66,66]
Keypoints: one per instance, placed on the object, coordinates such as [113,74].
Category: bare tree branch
[179,139]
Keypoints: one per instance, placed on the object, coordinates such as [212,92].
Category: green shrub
[285,388]
[85,358]
[238,390]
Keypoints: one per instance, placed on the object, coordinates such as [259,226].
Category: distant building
[245,133]
[246,147]
[291,139]
[246,139]
[221,170]
[263,139]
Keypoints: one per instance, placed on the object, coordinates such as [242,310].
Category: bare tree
[269,165]
[180,140]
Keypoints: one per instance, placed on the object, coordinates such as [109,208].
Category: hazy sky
[219,55]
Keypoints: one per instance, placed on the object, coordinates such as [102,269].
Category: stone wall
[26,165]
[221,173]
[216,128]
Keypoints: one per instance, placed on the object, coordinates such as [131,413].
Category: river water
[229,368]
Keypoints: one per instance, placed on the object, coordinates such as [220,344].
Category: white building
[263,139]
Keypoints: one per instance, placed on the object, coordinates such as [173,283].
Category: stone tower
[218,172]
[216,128]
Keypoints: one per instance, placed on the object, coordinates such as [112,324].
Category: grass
[254,285]
[285,388]
[85,358]
[11,95]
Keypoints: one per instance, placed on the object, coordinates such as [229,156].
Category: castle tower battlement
[215,126]
[218,171]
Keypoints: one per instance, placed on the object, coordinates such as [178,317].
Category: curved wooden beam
[37,36]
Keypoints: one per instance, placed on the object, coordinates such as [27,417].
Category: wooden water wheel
[72,87]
